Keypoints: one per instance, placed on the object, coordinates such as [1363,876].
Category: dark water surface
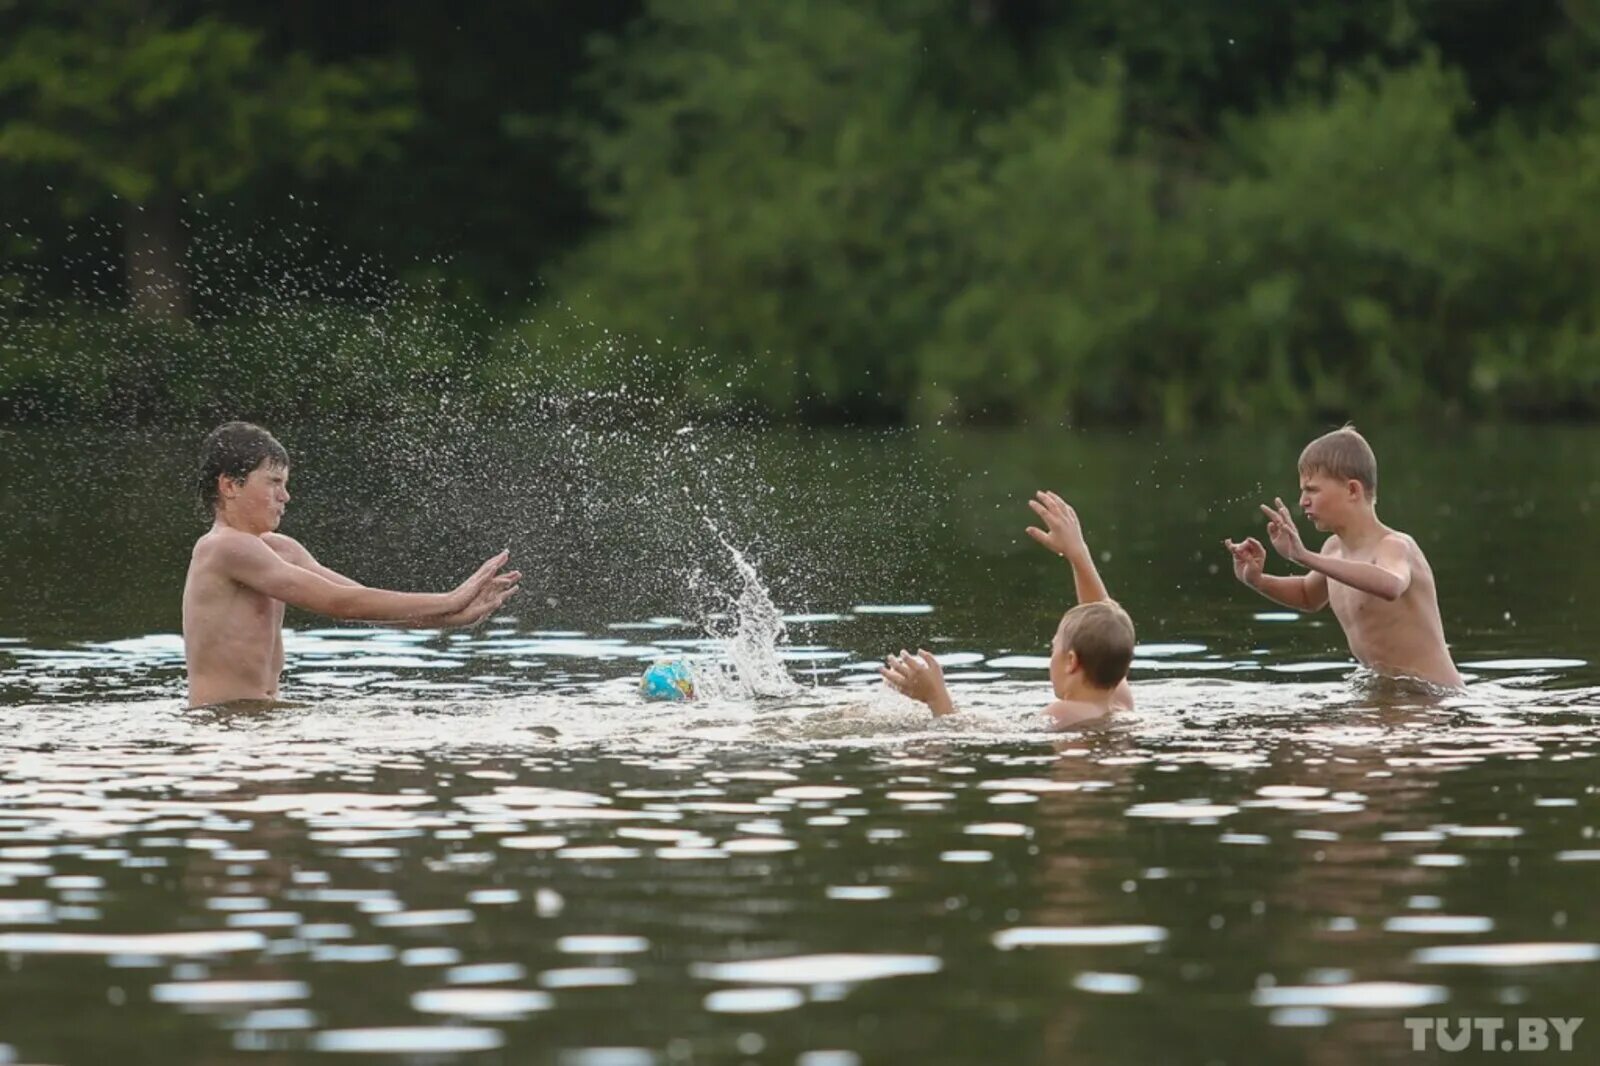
[483,847]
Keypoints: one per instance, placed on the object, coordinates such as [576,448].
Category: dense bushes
[1363,244]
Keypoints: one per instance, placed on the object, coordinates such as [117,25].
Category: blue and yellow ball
[669,679]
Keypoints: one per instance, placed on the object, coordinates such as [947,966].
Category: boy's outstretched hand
[1283,533]
[919,676]
[1063,534]
[1248,560]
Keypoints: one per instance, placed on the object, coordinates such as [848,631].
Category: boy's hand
[919,676]
[1063,534]
[466,592]
[1248,560]
[490,598]
[1282,532]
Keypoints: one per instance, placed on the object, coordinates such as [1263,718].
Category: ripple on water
[753,1000]
[141,944]
[1390,995]
[408,1040]
[207,993]
[496,1003]
[1077,936]
[842,969]
[602,945]
[1525,954]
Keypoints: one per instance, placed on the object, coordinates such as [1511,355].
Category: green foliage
[762,169]
[131,104]
[1361,244]
[1168,211]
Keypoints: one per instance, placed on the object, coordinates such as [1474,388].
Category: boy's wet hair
[1343,454]
[1101,634]
[232,450]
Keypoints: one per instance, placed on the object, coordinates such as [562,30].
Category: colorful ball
[669,679]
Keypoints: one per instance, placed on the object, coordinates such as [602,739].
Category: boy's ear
[1073,665]
[1355,489]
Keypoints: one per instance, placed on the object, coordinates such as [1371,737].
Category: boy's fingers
[1037,534]
[1270,513]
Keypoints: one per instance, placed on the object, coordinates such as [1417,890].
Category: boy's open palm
[1063,534]
[919,676]
[1283,533]
[491,597]
[466,592]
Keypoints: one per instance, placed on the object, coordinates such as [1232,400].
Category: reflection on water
[484,847]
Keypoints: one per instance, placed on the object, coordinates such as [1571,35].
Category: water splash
[749,634]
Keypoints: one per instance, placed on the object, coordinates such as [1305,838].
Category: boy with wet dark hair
[242,573]
[1376,578]
[1089,654]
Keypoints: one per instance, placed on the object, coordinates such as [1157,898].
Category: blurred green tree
[128,102]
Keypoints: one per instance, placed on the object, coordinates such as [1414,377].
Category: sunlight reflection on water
[501,839]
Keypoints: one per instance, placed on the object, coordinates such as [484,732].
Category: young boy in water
[242,572]
[1377,579]
[1089,654]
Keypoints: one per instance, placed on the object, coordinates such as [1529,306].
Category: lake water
[483,847]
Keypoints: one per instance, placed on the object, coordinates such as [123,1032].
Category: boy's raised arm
[1063,534]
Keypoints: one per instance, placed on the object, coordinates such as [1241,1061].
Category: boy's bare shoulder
[219,546]
[1397,540]
[1070,714]
[286,546]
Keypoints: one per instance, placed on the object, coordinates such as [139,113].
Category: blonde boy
[1376,578]
[1089,654]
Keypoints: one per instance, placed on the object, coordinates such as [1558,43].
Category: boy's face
[1328,501]
[257,502]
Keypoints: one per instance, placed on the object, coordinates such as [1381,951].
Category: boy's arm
[254,564]
[921,677]
[1308,592]
[1063,534]
[1387,578]
[501,588]
[298,554]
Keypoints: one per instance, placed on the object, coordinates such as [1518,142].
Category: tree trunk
[158,285]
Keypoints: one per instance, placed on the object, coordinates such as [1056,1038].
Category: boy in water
[1377,579]
[1089,654]
[241,574]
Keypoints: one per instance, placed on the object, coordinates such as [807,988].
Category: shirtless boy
[1089,654]
[1377,579]
[242,573]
